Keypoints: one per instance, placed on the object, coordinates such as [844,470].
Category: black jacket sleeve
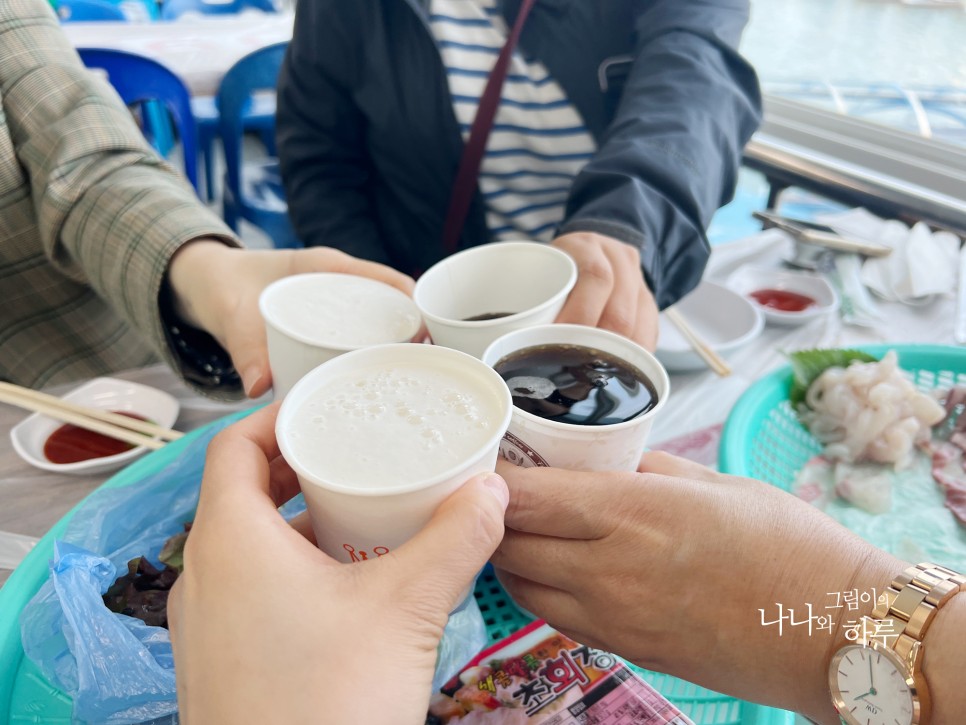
[324,162]
[671,155]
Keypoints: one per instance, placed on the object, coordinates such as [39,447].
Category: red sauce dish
[783,300]
[49,445]
[71,443]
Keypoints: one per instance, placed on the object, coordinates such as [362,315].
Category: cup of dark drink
[583,398]
[471,298]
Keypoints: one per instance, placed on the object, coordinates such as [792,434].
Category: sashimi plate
[763,439]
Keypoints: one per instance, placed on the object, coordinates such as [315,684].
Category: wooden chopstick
[129,430]
[706,353]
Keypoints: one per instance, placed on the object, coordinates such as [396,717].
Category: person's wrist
[590,238]
[190,280]
[942,661]
[872,575]
[792,669]
[193,312]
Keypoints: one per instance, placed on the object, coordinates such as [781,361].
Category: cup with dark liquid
[583,398]
[471,298]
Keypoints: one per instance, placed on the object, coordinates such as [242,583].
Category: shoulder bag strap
[464,188]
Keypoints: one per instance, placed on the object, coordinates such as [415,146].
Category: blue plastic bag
[116,669]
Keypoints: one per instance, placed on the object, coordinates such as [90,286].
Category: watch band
[199,357]
[911,603]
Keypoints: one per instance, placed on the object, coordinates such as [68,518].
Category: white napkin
[767,248]
[858,307]
[923,263]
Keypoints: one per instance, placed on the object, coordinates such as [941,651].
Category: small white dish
[723,318]
[747,280]
[28,436]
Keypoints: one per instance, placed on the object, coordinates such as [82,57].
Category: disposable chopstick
[704,351]
[80,419]
[140,426]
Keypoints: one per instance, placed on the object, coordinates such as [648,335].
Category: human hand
[267,628]
[669,567]
[610,292]
[216,289]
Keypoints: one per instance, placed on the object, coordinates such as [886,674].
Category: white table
[197,48]
[32,501]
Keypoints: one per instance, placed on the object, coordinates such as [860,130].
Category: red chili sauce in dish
[70,443]
[781,299]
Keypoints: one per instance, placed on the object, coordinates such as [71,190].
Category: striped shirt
[538,143]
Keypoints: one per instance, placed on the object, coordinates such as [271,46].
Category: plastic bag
[116,669]
[463,637]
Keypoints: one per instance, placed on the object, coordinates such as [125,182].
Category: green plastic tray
[763,439]
[27,698]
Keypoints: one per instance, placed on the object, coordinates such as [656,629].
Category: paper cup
[311,318]
[535,441]
[528,279]
[371,489]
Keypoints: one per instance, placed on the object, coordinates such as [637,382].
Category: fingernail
[250,378]
[497,486]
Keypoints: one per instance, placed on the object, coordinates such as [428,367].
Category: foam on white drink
[342,311]
[379,427]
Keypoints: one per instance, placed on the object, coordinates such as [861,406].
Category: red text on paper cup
[360,555]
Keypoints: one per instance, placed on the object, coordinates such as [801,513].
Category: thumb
[248,348]
[443,558]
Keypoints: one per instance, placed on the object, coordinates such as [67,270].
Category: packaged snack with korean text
[540,677]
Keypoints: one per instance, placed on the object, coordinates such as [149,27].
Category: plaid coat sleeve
[110,213]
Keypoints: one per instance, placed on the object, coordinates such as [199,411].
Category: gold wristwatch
[877,680]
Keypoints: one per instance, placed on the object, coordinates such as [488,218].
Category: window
[865,104]
[900,63]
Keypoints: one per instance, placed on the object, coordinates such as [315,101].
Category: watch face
[869,688]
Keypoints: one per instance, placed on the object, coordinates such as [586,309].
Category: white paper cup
[356,516]
[535,441]
[311,318]
[529,279]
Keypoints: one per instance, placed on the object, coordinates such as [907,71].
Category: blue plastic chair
[252,191]
[138,10]
[140,80]
[258,116]
[76,11]
[123,10]
[171,9]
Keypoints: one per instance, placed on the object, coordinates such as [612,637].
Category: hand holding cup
[288,618]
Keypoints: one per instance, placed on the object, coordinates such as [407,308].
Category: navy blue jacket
[370,145]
